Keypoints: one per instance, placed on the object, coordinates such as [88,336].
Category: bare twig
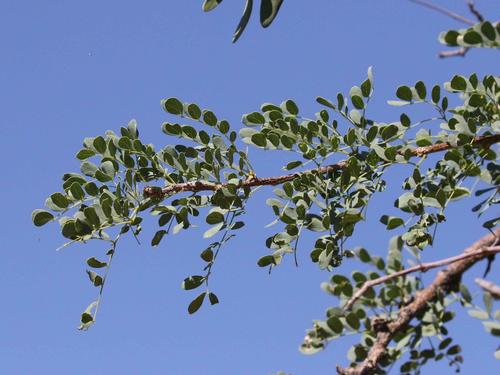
[445,11]
[460,52]
[488,286]
[424,267]
[443,283]
[195,186]
[474,11]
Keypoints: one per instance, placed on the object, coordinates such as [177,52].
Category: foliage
[268,11]
[484,35]
[207,173]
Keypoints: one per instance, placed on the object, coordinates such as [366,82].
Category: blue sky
[75,69]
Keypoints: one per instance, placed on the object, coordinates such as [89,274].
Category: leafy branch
[197,186]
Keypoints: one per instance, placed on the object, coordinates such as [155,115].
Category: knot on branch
[154,192]
[379,324]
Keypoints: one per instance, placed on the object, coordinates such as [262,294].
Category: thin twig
[424,267]
[444,11]
[489,287]
[444,282]
[474,11]
[459,52]
[196,186]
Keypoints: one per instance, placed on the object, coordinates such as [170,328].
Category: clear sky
[75,69]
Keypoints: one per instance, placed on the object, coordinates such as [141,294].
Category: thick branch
[196,186]
[424,267]
[443,283]
[445,11]
[489,287]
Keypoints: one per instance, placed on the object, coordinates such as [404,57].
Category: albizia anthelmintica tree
[342,155]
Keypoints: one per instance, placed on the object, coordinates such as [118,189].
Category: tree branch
[424,267]
[489,287]
[445,11]
[474,11]
[196,186]
[443,283]
[460,52]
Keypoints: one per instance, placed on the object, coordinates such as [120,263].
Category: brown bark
[444,282]
[196,186]
[489,287]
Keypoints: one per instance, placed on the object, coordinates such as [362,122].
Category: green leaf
[209,118]
[447,341]
[335,325]
[436,94]
[158,237]
[478,314]
[364,256]
[84,153]
[353,321]
[488,30]
[397,103]
[404,93]
[102,177]
[189,131]
[41,217]
[86,318]
[492,327]
[192,282]
[95,263]
[473,37]
[77,191]
[68,229]
[92,217]
[391,222]
[173,106]
[194,111]
[132,129]
[196,303]
[207,255]
[208,5]
[213,299]
[247,12]
[268,11]
[423,138]
[293,165]
[325,102]
[465,293]
[266,261]
[389,132]
[291,107]
[213,231]
[357,101]
[254,118]
[458,83]
[366,88]
[491,223]
[59,200]
[455,349]
[96,279]
[421,89]
[259,139]
[460,192]
[100,144]
[108,168]
[88,169]
[214,217]
[91,189]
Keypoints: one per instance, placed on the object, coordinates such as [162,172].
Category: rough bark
[196,186]
[444,282]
